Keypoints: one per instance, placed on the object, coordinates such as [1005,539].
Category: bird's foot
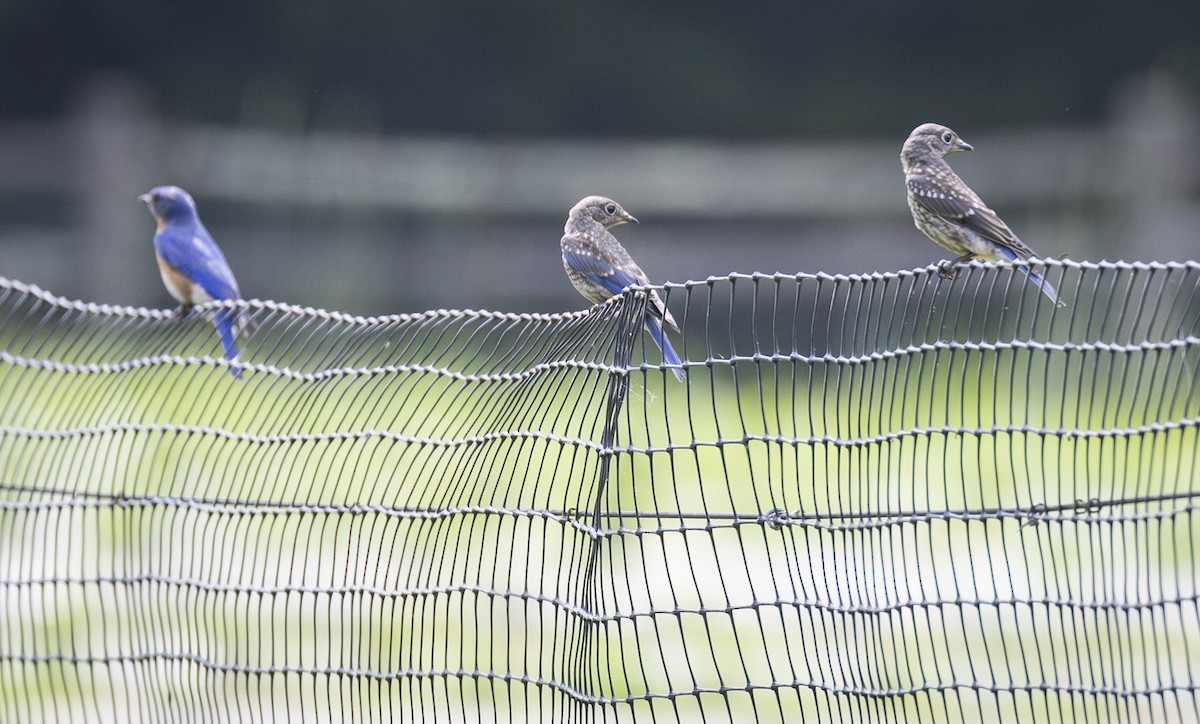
[182,311]
[947,270]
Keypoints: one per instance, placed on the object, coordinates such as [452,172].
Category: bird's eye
[610,208]
[947,137]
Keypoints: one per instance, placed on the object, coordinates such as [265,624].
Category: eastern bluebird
[946,210]
[192,266]
[600,268]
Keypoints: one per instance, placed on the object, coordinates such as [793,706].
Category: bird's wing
[613,277]
[191,250]
[963,207]
[616,278]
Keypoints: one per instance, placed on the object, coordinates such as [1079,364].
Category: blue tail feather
[226,321]
[1045,286]
[655,328]
[1039,280]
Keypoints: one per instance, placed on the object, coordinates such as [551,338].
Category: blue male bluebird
[192,266]
[600,268]
[946,210]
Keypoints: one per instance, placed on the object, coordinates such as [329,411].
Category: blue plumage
[600,268]
[670,356]
[191,264]
[188,247]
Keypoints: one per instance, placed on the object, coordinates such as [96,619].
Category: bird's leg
[946,269]
[183,311]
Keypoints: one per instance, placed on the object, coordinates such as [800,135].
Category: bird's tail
[228,326]
[655,328]
[1041,282]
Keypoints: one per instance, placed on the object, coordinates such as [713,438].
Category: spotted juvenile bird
[946,210]
[600,268]
[191,264]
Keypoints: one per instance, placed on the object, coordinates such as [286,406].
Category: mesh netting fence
[878,497]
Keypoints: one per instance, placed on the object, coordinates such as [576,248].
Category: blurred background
[377,157]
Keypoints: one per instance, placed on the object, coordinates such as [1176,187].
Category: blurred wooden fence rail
[1135,177]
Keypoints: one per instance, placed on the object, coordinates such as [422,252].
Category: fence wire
[876,498]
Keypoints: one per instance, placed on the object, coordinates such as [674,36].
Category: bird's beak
[630,218]
[964,146]
[144,198]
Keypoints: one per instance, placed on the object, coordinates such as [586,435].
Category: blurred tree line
[623,68]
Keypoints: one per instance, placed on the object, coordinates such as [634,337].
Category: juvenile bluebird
[946,210]
[600,268]
[192,266]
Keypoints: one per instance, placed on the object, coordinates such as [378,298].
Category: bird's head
[606,212]
[932,140]
[169,203]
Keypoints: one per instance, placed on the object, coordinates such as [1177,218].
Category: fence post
[115,143]
[1153,166]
